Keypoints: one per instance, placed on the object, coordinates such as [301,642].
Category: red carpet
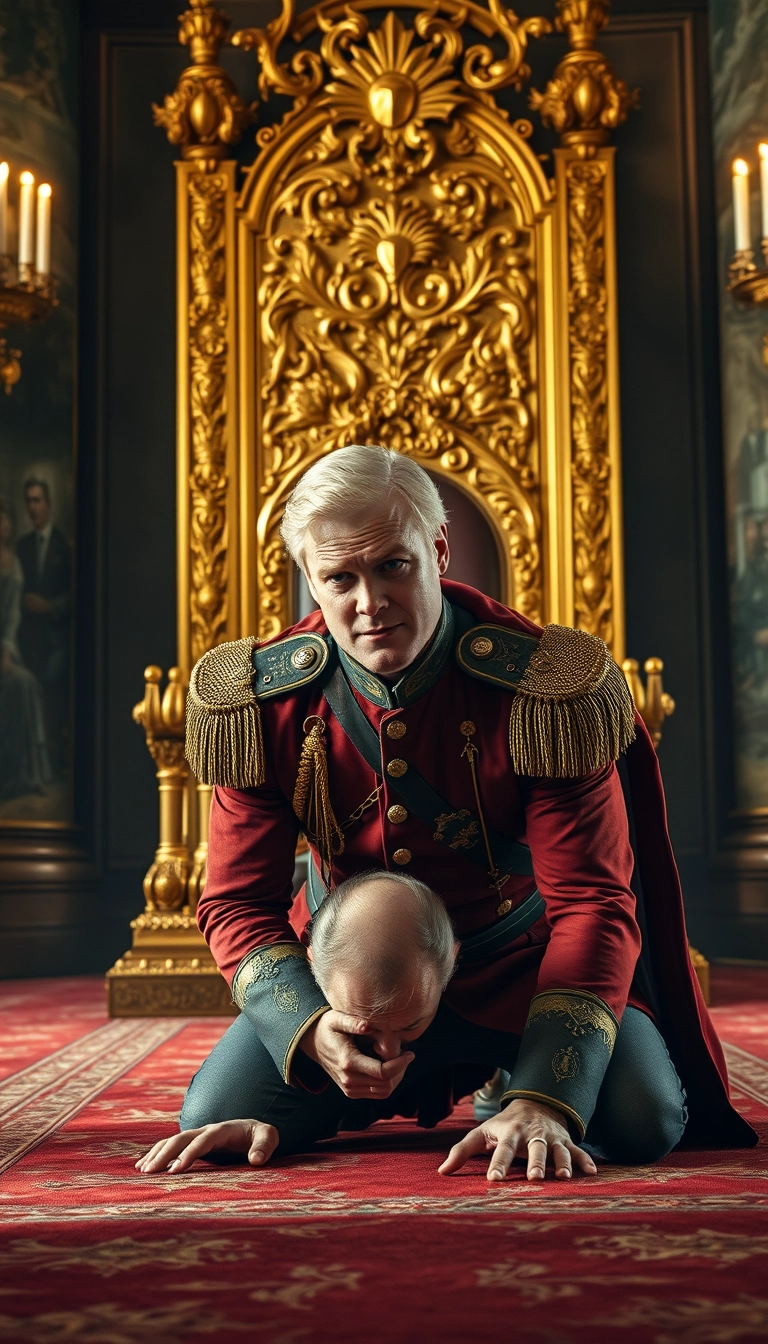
[359,1240]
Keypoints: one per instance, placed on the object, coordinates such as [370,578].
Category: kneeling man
[414,725]
[383,950]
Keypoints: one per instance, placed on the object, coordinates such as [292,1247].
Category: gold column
[205,116]
[583,102]
[169,968]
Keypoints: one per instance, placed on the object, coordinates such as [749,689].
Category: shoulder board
[493,653]
[224,735]
[572,712]
[288,664]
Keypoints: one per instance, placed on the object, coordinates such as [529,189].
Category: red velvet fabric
[577,831]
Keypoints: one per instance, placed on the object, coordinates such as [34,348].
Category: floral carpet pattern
[360,1239]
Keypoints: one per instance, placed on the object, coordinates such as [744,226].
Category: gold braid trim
[579,1013]
[573,712]
[225,744]
[312,797]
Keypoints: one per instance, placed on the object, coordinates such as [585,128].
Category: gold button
[397,768]
[482,647]
[402,856]
[503,908]
[396,814]
[304,657]
[396,728]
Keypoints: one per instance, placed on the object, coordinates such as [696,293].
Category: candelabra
[747,283]
[27,288]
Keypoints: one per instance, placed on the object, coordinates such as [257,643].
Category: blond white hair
[349,480]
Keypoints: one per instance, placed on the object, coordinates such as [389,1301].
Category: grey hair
[434,937]
[348,480]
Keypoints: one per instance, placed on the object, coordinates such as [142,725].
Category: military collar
[415,680]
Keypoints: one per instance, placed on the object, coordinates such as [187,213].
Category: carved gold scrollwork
[208,365]
[591,466]
[482,70]
[397,287]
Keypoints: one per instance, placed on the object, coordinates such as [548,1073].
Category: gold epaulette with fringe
[225,743]
[572,712]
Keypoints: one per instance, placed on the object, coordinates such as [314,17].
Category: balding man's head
[382,939]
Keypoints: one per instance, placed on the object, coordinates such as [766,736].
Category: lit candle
[3,208]
[43,252]
[763,150]
[26,219]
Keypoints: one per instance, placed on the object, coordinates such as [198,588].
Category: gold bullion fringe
[225,742]
[562,726]
[312,796]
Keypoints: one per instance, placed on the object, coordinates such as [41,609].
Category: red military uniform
[577,962]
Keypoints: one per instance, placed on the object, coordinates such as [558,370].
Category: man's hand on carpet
[523,1128]
[331,1042]
[233,1136]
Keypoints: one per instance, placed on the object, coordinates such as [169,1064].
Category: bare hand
[233,1136]
[330,1041]
[523,1128]
[37,605]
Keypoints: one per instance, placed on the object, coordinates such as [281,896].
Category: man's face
[38,507]
[407,1017]
[377,581]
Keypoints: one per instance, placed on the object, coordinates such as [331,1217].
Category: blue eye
[393,564]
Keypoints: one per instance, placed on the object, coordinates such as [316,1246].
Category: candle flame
[44,189]
[762,150]
[4,170]
[26,179]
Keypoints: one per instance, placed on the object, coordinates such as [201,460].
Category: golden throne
[399,267]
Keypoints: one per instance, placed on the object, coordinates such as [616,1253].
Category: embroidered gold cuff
[564,1052]
[276,990]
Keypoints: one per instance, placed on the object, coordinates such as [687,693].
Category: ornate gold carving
[588,340]
[585,100]
[165,885]
[166,941]
[651,701]
[302,77]
[186,993]
[208,354]
[483,70]
[398,279]
[204,115]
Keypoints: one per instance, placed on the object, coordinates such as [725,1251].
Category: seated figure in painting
[23,758]
[413,725]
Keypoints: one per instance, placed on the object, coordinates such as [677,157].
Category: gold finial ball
[153,675]
[174,675]
[392,98]
[654,665]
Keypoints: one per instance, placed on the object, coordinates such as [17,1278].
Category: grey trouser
[640,1114]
